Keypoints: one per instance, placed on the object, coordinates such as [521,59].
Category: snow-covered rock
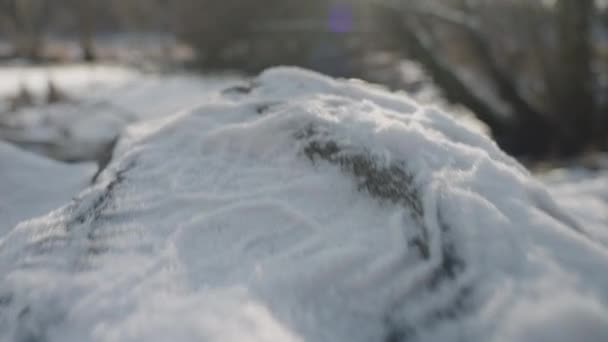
[300,208]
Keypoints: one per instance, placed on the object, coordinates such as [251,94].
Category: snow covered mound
[299,208]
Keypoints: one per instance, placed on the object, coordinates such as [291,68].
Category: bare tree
[537,60]
[252,35]
[86,25]
[25,22]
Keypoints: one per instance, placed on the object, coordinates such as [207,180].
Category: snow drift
[300,208]
[31,185]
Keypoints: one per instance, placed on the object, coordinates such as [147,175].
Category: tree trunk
[572,90]
[25,21]
[86,29]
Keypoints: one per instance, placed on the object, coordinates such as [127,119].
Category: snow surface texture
[299,208]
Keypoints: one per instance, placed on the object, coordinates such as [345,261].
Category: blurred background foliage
[534,71]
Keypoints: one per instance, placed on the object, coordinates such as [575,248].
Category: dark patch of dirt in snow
[394,184]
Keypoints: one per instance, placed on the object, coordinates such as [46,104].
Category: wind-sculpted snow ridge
[300,208]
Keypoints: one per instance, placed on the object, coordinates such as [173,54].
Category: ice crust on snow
[300,208]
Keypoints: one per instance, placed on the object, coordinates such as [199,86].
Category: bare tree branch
[454,88]
[504,82]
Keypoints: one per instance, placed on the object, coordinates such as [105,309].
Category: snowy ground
[103,101]
[291,208]
[31,185]
[77,79]
[584,193]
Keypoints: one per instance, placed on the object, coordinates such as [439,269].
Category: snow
[104,99]
[584,193]
[300,208]
[77,79]
[31,185]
